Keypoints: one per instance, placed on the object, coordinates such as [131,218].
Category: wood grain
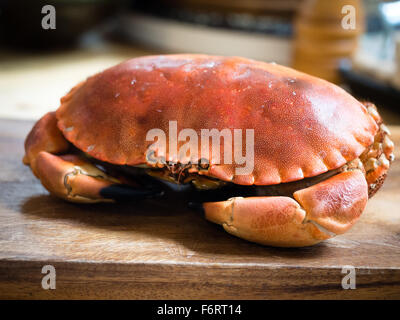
[156,250]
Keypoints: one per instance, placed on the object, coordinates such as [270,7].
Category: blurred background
[353,43]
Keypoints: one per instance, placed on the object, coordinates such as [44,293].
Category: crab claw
[71,178]
[68,175]
[316,213]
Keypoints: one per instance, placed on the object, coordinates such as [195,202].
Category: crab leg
[67,175]
[316,213]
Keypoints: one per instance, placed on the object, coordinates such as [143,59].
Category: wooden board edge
[81,280]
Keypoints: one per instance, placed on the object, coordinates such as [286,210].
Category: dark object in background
[369,88]
[21,21]
[271,17]
[260,30]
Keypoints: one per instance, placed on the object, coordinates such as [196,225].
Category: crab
[319,152]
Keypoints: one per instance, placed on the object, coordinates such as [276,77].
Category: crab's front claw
[71,178]
[76,180]
[275,221]
[321,211]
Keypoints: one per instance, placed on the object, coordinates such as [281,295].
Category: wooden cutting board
[156,250]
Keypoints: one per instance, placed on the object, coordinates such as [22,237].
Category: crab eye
[203,164]
[171,163]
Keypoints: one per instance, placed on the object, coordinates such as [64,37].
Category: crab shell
[303,127]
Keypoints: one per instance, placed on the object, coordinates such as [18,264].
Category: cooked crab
[319,153]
